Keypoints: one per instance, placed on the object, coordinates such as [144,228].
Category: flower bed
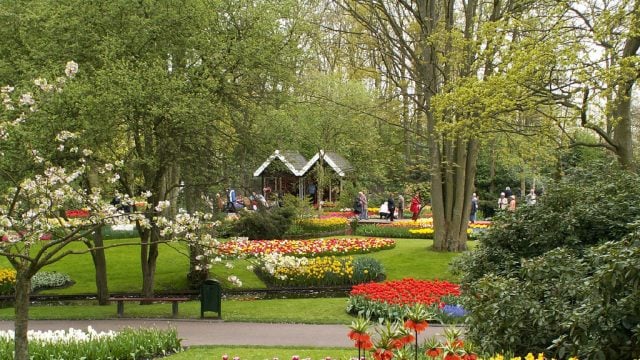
[319,247]
[393,299]
[77,213]
[7,281]
[78,344]
[282,270]
[323,224]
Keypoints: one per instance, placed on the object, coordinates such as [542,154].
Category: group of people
[507,199]
[388,208]
[233,202]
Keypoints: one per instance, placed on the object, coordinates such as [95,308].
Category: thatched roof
[293,160]
[339,164]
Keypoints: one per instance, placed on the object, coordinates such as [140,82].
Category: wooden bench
[174,302]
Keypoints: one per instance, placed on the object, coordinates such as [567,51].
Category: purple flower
[454,310]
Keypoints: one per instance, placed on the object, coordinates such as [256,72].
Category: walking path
[218,332]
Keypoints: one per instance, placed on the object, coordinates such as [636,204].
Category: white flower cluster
[271,262]
[234,280]
[61,336]
[71,69]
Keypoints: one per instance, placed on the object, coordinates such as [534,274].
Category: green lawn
[262,352]
[410,258]
[317,311]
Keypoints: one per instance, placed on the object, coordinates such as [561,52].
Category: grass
[317,311]
[410,258]
[262,352]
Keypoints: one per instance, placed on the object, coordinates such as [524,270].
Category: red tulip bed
[312,248]
[77,213]
[392,299]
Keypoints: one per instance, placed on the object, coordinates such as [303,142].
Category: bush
[264,224]
[366,269]
[49,280]
[561,277]
[585,209]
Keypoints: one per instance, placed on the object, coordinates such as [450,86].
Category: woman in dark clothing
[392,207]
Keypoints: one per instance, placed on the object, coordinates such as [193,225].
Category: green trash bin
[211,297]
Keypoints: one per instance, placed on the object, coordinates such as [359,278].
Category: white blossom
[114,178]
[71,69]
[64,135]
[162,205]
[27,99]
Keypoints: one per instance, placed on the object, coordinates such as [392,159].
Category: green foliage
[264,224]
[586,208]
[366,269]
[301,207]
[126,344]
[49,280]
[559,273]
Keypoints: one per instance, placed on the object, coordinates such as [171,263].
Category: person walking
[400,207]
[531,197]
[365,206]
[416,205]
[357,206]
[474,208]
[392,207]
[508,192]
[503,202]
[512,203]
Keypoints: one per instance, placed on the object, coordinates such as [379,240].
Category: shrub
[582,210]
[264,224]
[7,281]
[558,277]
[48,280]
[366,269]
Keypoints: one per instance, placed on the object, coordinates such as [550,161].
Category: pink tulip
[225,357]
[295,357]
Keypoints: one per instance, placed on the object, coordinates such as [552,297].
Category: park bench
[174,302]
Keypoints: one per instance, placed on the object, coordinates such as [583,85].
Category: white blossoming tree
[33,231]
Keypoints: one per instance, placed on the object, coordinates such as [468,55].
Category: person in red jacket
[416,204]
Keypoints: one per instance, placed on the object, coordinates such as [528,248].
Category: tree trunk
[100,264]
[622,133]
[97,250]
[148,260]
[21,322]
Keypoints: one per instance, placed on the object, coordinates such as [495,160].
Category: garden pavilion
[288,172]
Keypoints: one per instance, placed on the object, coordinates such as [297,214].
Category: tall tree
[437,44]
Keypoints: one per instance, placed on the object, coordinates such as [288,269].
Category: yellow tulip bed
[284,270]
[7,281]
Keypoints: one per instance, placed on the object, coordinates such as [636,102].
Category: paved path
[217,332]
